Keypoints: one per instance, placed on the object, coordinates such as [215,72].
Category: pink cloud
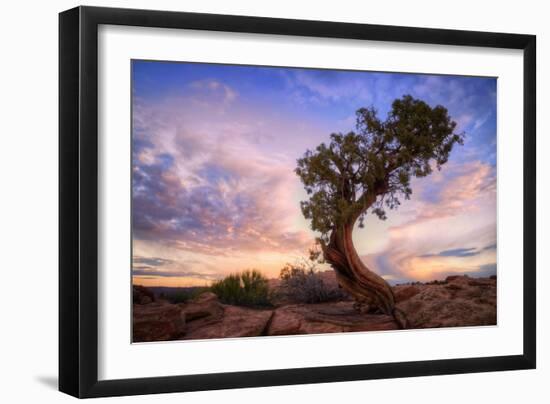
[203,185]
[456,212]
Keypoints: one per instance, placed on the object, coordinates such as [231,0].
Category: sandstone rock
[285,321]
[458,279]
[206,297]
[206,305]
[402,293]
[157,322]
[235,322]
[462,301]
[481,282]
[325,318]
[459,301]
[142,295]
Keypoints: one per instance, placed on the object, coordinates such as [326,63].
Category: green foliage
[372,167]
[248,288]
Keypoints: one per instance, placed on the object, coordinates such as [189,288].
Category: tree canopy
[371,169]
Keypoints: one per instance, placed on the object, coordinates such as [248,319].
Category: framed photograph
[251,201]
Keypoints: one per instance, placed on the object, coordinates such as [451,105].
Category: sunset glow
[214,189]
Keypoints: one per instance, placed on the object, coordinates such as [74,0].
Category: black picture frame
[78,201]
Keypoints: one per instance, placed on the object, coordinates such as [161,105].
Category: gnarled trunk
[365,286]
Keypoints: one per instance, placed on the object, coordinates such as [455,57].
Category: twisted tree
[370,170]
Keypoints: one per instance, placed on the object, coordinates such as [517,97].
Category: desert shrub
[248,288]
[301,283]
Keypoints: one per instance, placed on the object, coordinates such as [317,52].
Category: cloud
[154,267]
[438,221]
[452,190]
[461,252]
[199,189]
[327,86]
[138,272]
[457,252]
[204,89]
[490,247]
[150,261]
[470,101]
[479,122]
[213,161]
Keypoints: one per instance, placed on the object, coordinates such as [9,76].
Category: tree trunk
[367,288]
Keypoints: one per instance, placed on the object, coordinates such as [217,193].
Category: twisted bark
[369,290]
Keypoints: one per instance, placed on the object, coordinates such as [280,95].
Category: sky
[214,148]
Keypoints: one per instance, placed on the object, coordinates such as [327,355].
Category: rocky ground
[457,301]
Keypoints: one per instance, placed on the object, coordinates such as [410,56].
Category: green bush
[248,288]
